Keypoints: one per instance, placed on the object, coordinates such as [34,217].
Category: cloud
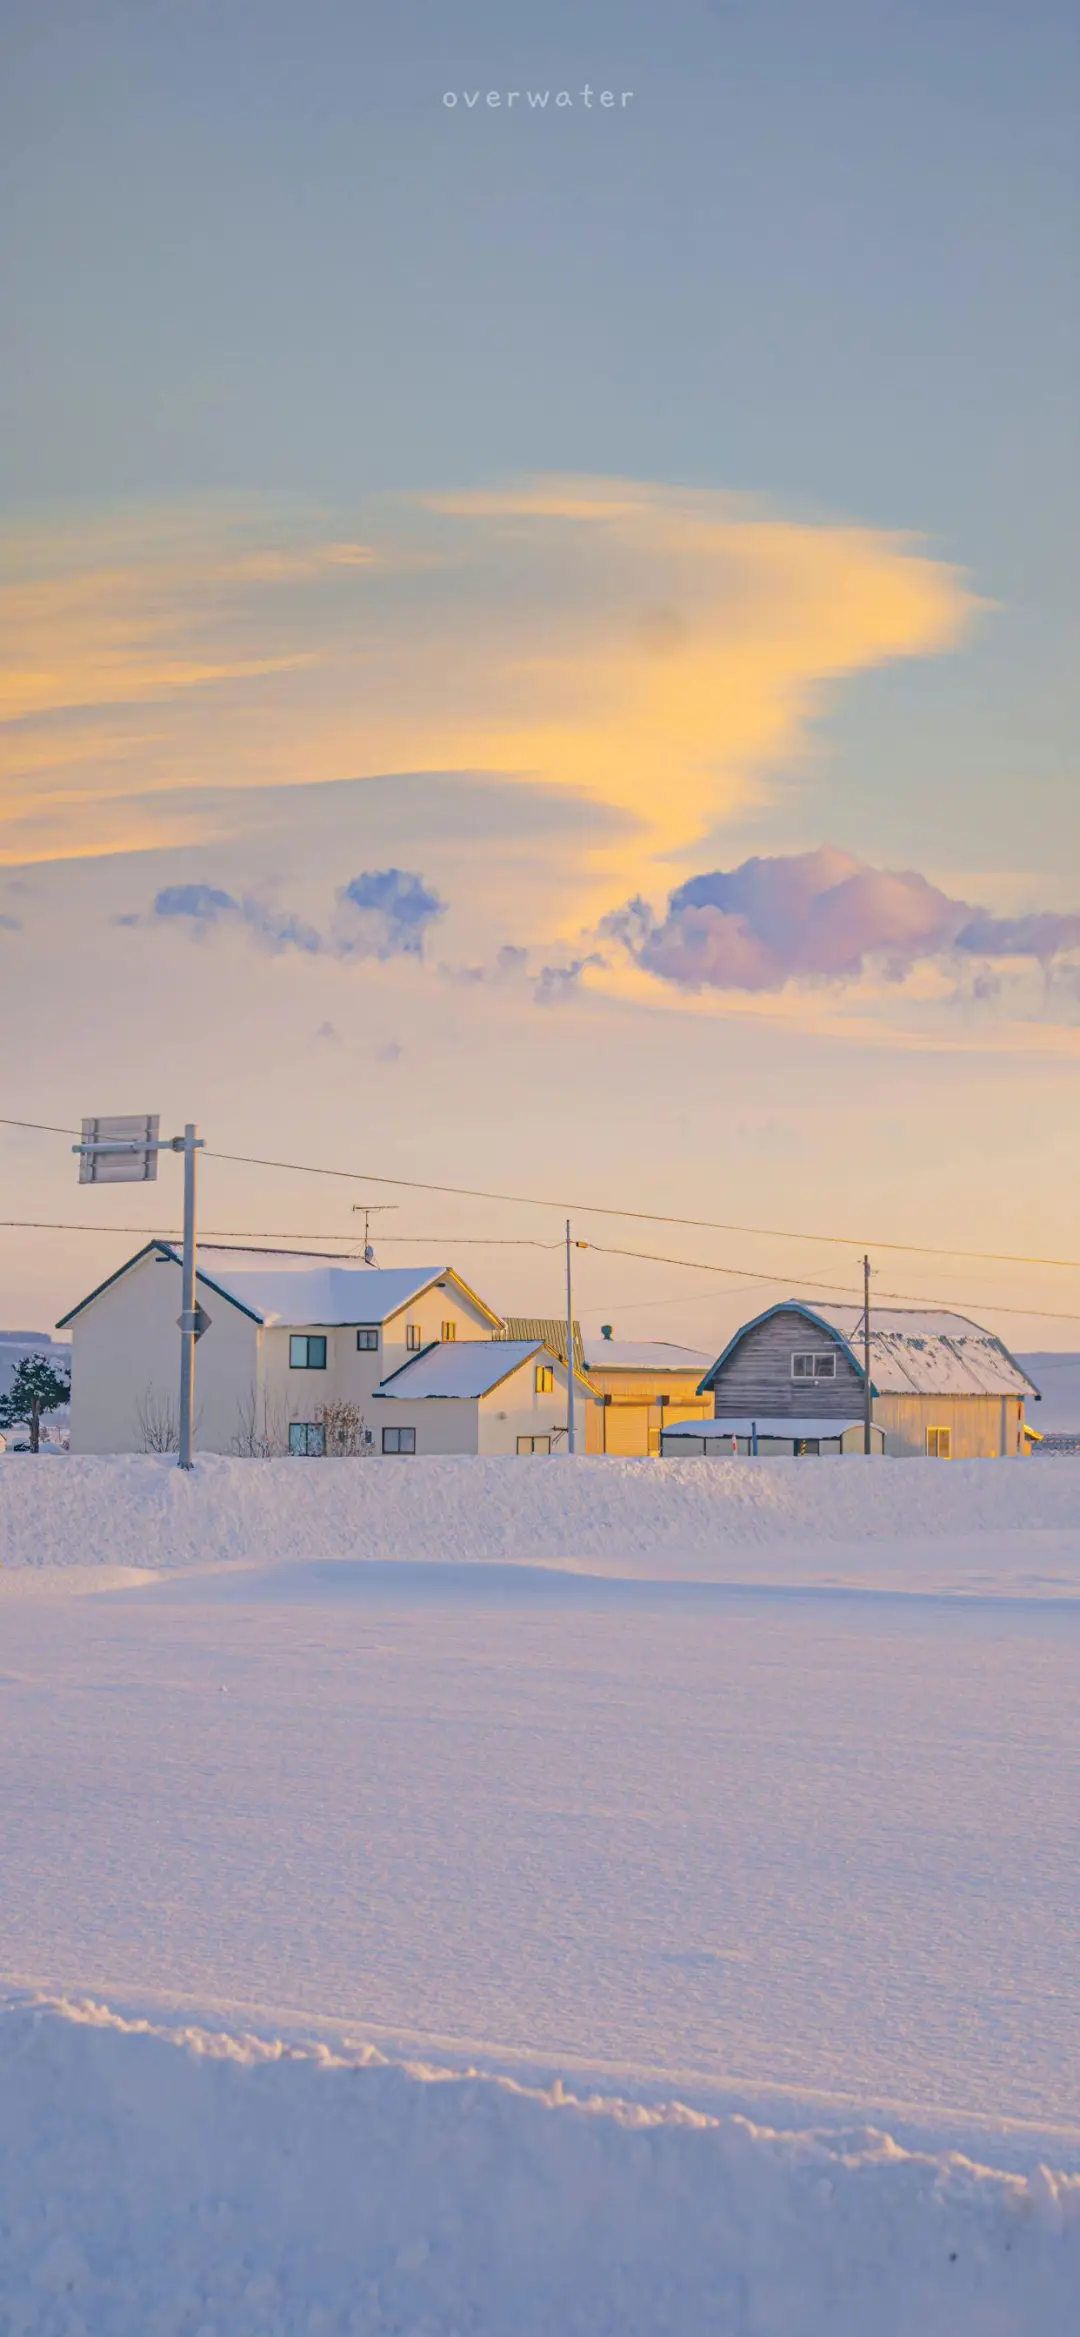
[382,913]
[821,916]
[385,913]
[656,653]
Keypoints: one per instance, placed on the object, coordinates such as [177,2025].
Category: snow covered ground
[747,1786]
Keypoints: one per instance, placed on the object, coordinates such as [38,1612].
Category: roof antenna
[368,1210]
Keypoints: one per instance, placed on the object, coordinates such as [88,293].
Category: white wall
[352,1375]
[125,1363]
[487,1424]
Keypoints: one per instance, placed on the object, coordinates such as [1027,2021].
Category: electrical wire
[603,1209]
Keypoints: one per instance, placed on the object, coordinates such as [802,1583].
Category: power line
[837,1290]
[603,1209]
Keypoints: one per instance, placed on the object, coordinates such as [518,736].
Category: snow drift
[188,2182]
[700,1520]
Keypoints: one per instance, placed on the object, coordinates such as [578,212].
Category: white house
[288,1335]
[498,1396]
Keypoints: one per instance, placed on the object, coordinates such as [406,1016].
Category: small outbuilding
[941,1385]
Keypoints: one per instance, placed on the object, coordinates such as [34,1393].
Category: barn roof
[914,1351]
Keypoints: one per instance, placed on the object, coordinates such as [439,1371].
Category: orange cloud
[658,652]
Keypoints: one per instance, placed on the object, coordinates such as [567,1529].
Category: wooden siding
[756,1379]
[981,1427]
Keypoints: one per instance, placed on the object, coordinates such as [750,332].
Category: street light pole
[189,1322]
[868,1393]
[571,1441]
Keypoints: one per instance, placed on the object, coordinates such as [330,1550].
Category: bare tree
[261,1428]
[346,1435]
[159,1425]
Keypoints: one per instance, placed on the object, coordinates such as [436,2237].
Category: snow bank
[697,1519]
[186,2183]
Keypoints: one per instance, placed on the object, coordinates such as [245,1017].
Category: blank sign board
[135,1165]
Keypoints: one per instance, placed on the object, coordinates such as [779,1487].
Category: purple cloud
[818,915]
[385,913]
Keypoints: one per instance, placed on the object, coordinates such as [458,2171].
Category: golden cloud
[655,651]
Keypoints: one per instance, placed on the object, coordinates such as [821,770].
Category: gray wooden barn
[792,1380]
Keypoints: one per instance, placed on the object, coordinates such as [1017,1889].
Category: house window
[534,1444]
[367,1339]
[307,1439]
[414,1337]
[939,1444]
[448,1330]
[399,1440]
[815,1364]
[544,1379]
[306,1352]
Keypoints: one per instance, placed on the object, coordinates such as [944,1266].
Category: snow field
[834,1521]
[190,2184]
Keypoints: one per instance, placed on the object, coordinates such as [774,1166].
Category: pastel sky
[536,642]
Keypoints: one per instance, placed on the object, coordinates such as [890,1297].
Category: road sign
[121,1150]
[200,1322]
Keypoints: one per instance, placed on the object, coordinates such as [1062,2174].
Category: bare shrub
[345,1433]
[159,1421]
[261,1432]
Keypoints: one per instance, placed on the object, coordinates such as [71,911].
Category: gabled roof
[459,1367]
[288,1289]
[914,1351]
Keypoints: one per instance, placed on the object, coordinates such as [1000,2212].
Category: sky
[536,640]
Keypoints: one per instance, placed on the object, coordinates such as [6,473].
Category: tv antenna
[367,1210]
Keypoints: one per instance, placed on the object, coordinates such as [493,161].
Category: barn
[941,1385]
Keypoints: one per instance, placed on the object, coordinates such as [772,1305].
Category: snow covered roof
[292,1290]
[823,1430]
[643,1355]
[914,1351]
[460,1367]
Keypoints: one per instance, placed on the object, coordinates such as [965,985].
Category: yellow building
[643,1384]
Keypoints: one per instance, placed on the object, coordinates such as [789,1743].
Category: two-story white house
[410,1349]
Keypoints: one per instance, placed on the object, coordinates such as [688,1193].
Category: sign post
[123,1150]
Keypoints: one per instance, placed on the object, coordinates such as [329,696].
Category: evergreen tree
[36,1388]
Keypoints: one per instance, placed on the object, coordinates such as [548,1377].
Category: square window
[367,1339]
[448,1331]
[414,1337]
[939,1444]
[399,1440]
[307,1352]
[544,1379]
[307,1439]
[534,1444]
[824,1367]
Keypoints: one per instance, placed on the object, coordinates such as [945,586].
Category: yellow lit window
[544,1379]
[448,1331]
[939,1444]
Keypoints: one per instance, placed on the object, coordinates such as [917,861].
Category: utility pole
[571,1441]
[868,1393]
[189,1310]
[123,1150]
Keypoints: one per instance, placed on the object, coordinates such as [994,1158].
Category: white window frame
[367,1339]
[822,1362]
[394,1440]
[307,1340]
[534,1444]
[414,1338]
